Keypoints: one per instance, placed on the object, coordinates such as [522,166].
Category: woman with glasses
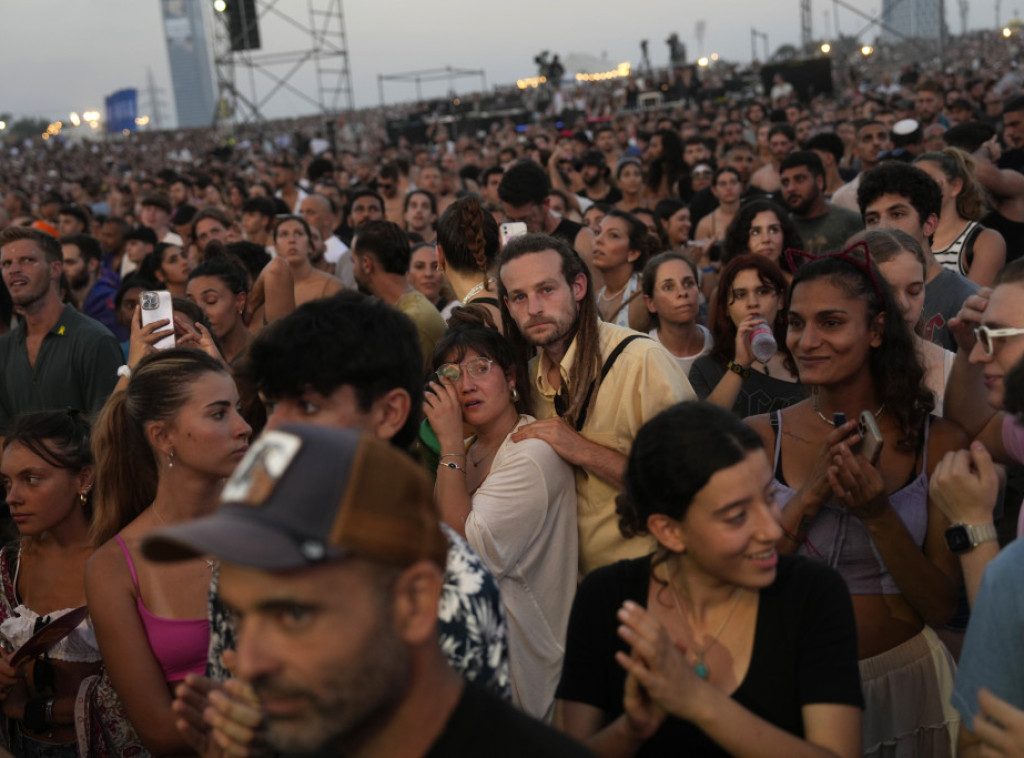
[514,501]
[751,295]
[868,514]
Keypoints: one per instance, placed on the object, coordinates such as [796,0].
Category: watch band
[980,533]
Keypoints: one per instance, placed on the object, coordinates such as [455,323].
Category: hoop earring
[515,394]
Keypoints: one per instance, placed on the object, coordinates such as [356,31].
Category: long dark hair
[896,371]
[723,329]
[737,235]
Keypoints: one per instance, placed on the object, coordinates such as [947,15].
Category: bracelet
[453,455]
[787,533]
[452,465]
[738,369]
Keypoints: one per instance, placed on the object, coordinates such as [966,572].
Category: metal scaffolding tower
[806,29]
[326,53]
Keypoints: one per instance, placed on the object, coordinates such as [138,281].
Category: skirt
[907,711]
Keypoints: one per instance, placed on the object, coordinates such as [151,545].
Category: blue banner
[122,108]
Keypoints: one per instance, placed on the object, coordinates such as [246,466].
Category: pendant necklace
[700,668]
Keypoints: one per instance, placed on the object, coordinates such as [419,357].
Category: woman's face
[292,242]
[593,218]
[732,524]
[675,297]
[905,275]
[701,177]
[174,269]
[749,295]
[208,434]
[631,179]
[611,248]
[829,334]
[765,236]
[128,304]
[727,188]
[556,204]
[424,273]
[678,227]
[222,307]
[484,391]
[41,496]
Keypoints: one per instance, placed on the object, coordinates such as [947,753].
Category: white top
[79,646]
[686,363]
[335,249]
[622,314]
[523,527]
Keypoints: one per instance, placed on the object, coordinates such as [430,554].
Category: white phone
[156,306]
[510,229]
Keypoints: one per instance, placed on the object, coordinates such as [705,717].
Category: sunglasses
[477,368]
[986,336]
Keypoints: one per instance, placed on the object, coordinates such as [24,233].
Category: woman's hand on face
[143,338]
[857,483]
[744,356]
[444,412]
[658,664]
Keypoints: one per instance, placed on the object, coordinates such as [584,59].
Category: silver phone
[510,229]
[156,306]
[870,445]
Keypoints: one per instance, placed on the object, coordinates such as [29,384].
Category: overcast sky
[68,55]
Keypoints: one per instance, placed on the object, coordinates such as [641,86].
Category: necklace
[701,668]
[210,563]
[477,289]
[830,422]
[615,295]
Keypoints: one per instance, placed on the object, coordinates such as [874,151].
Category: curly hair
[896,371]
[723,329]
[737,235]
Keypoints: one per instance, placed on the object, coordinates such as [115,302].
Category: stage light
[702,62]
[826,48]
[1007,32]
[3,125]
[220,6]
[867,50]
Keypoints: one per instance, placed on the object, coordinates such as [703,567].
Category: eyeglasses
[986,335]
[477,368]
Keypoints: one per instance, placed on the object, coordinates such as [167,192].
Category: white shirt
[335,249]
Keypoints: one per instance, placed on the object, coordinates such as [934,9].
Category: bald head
[318,210]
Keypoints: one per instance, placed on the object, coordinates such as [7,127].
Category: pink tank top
[179,645]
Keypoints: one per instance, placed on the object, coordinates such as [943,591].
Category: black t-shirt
[484,725]
[612,196]
[567,230]
[805,650]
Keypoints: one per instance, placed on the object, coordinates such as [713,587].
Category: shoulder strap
[485,301]
[609,362]
[128,558]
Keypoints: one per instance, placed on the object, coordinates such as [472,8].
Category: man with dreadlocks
[596,383]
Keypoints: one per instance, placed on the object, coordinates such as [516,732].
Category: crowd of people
[691,429]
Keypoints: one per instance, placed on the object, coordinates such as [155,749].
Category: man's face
[871,140]
[321,649]
[282,177]
[891,211]
[732,134]
[803,129]
[110,238]
[800,189]
[743,162]
[694,153]
[339,410]
[591,175]
[365,209]
[1013,128]
[419,215]
[1005,311]
[254,224]
[26,273]
[137,250]
[490,190]
[153,216]
[605,141]
[544,305]
[317,216]
[75,267]
[780,145]
[209,229]
[68,224]
[430,180]
[928,105]
[531,214]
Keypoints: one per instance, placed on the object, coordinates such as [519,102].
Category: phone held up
[156,306]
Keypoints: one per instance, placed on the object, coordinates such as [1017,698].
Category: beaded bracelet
[738,369]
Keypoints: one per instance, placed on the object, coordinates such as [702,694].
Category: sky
[96,47]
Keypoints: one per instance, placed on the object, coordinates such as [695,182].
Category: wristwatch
[963,538]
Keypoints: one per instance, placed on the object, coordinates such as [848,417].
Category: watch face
[957,539]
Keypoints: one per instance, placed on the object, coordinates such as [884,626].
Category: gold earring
[82,497]
[515,394]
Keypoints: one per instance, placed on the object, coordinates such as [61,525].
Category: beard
[351,701]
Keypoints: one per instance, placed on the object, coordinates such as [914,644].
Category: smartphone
[156,306]
[510,229]
[870,445]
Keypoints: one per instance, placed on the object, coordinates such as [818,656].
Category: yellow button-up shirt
[644,380]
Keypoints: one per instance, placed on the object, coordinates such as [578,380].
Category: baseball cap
[304,495]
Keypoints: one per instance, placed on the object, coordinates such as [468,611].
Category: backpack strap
[604,372]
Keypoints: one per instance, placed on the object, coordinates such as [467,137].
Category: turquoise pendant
[701,670]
